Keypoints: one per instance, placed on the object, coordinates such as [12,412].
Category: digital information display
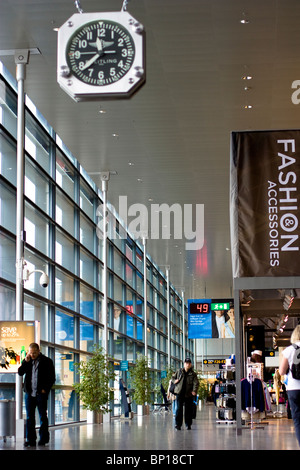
[200,307]
[210,318]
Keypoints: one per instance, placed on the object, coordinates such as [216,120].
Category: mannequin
[256,356]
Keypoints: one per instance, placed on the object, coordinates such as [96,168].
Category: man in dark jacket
[186,387]
[39,378]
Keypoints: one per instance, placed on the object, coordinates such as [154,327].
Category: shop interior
[267,319]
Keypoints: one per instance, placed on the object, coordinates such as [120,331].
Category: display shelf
[226,400]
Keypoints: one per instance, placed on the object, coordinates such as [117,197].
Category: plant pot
[142,410]
[94,417]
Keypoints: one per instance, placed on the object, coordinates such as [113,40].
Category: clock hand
[107,44]
[90,62]
[99,45]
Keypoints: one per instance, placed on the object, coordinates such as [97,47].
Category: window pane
[37,229]
[35,310]
[86,336]
[37,143]
[129,275]
[87,198]
[139,283]
[87,303]
[64,212]
[64,289]
[64,398]
[139,260]
[129,251]
[119,318]
[8,258]
[8,109]
[118,347]
[86,268]
[36,186]
[87,231]
[64,251]
[65,174]
[7,303]
[118,291]
[8,158]
[64,329]
[118,264]
[7,208]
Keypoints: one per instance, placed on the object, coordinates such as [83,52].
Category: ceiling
[170,142]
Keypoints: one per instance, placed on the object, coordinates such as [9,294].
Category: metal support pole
[145,297]
[21,59]
[168,316]
[105,178]
[238,360]
[183,326]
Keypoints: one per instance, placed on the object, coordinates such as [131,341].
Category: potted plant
[94,387]
[202,391]
[142,384]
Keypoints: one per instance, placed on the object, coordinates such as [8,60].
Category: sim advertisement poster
[15,337]
[211,318]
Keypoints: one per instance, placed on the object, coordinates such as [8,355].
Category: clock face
[100,53]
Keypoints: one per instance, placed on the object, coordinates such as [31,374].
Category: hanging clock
[100,55]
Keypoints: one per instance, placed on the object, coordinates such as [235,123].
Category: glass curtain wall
[64,240]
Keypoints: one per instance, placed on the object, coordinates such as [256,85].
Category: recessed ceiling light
[140,180]
[246,77]
[244,19]
[102,111]
[248,106]
[130,163]
[115,135]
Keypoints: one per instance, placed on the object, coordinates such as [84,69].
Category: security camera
[44,280]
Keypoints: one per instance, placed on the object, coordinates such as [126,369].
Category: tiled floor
[156,432]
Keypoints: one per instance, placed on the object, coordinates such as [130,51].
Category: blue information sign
[124,365]
[199,318]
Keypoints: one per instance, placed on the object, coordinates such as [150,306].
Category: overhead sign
[264,208]
[210,362]
[211,318]
[15,337]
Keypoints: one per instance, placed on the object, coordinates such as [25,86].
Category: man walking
[186,387]
[39,378]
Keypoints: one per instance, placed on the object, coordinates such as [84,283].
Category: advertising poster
[264,205]
[15,337]
[211,318]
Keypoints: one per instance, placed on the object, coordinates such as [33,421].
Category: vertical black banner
[264,206]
